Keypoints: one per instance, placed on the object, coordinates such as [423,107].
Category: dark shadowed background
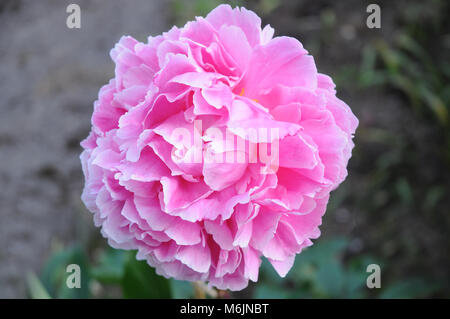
[393,209]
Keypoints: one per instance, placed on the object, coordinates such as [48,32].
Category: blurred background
[393,209]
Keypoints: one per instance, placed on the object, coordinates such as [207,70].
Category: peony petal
[196,257]
[282,61]
[149,210]
[252,262]
[148,168]
[184,233]
[178,193]
[221,233]
[283,267]
[242,18]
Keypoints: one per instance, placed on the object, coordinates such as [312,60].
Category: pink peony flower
[203,91]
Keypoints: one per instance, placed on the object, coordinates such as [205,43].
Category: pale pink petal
[197,257]
[282,61]
[184,233]
[283,267]
[178,193]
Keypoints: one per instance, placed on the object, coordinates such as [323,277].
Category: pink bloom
[213,221]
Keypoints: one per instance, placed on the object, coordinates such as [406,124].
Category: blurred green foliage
[319,272]
[322,272]
[117,273]
[185,10]
[140,281]
[413,60]
[403,157]
[410,69]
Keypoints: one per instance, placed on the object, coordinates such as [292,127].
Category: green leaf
[404,190]
[181,289]
[435,103]
[203,7]
[267,6]
[36,288]
[264,291]
[433,196]
[323,251]
[54,274]
[268,273]
[356,276]
[412,288]
[140,281]
[355,282]
[111,267]
[330,279]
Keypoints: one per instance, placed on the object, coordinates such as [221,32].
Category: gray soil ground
[49,78]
